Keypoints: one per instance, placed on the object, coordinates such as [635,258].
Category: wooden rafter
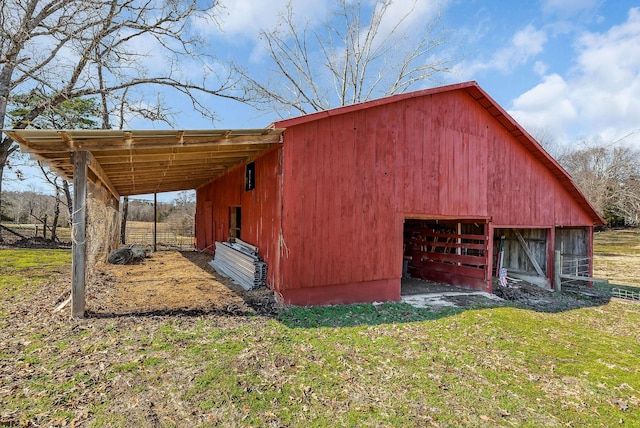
[95,167]
[138,162]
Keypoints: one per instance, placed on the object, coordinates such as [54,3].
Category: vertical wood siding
[349,180]
[260,210]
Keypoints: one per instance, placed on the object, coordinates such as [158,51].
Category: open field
[138,232]
[208,363]
[617,256]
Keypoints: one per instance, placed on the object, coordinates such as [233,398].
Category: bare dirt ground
[172,282]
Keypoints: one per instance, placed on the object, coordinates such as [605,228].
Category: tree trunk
[7,146]
[5,143]
[2,162]
[56,216]
[123,224]
[67,195]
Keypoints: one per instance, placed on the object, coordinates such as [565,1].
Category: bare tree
[181,214]
[358,54]
[547,140]
[58,48]
[609,176]
[54,180]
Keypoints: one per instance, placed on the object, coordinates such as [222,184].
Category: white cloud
[600,97]
[568,7]
[548,105]
[242,21]
[540,68]
[525,44]
[414,13]
[246,18]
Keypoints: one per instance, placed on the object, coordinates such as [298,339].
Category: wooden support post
[488,254]
[155,222]
[557,270]
[551,247]
[123,220]
[78,234]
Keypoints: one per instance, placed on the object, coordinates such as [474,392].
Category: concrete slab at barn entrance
[436,295]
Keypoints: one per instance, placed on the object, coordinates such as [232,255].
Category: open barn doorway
[523,254]
[451,252]
[575,245]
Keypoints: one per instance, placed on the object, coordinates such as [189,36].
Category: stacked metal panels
[240,262]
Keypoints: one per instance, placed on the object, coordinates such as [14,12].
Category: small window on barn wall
[235,221]
[250,176]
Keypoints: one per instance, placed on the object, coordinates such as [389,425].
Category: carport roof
[152,161]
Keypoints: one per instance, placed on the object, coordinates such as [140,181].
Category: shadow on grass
[262,303]
[398,312]
[195,313]
[359,314]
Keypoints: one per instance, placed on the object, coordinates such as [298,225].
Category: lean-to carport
[126,163]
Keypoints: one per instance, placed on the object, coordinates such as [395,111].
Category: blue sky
[574,65]
[568,68]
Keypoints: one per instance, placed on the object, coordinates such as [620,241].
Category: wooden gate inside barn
[450,251]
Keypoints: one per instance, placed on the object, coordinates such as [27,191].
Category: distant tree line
[608,174]
[31,207]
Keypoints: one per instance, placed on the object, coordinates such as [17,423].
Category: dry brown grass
[617,256]
[165,282]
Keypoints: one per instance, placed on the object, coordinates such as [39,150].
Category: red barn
[429,184]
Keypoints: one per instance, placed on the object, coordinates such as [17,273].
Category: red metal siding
[261,209]
[350,179]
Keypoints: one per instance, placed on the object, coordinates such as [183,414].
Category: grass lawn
[361,365]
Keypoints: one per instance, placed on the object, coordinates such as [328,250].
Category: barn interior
[523,253]
[450,251]
[457,252]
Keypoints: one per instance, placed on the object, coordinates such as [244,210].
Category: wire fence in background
[168,236]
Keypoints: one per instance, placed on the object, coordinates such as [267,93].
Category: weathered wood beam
[147,189]
[186,159]
[78,233]
[164,170]
[36,146]
[529,254]
[67,139]
[111,169]
[177,150]
[557,263]
[95,167]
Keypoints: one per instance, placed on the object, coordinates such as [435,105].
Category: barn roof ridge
[473,89]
